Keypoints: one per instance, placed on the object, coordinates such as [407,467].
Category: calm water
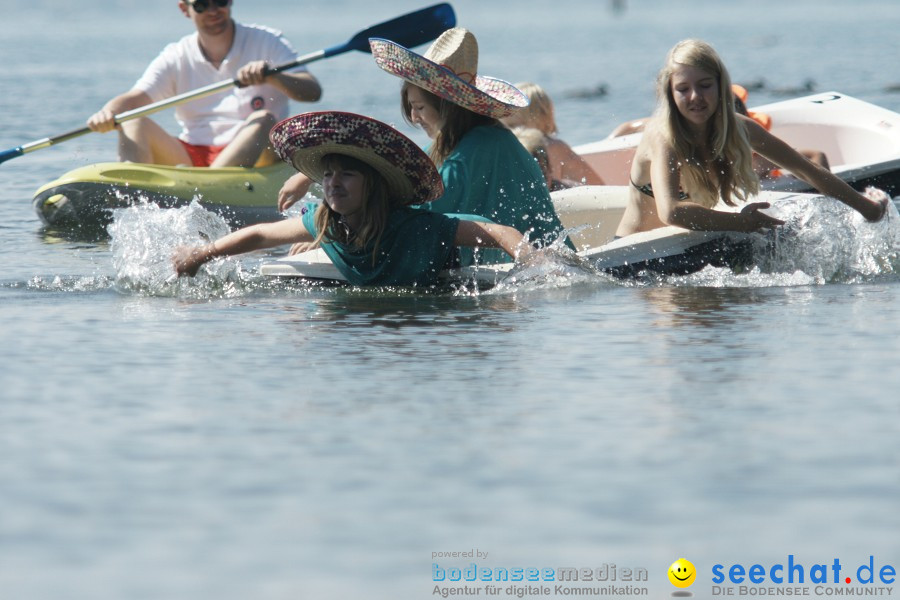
[225,438]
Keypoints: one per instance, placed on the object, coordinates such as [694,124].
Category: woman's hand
[293,190]
[188,259]
[880,198]
[753,220]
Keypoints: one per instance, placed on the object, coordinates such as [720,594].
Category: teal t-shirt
[415,247]
[491,174]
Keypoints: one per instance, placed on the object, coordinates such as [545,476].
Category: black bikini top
[648,190]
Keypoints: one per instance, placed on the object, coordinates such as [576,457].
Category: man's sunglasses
[200,5]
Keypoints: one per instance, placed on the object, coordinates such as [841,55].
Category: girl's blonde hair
[729,171]
[375,209]
[535,141]
[539,112]
[456,122]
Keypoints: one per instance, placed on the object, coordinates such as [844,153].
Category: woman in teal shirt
[370,173]
[485,170]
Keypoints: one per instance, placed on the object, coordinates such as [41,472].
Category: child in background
[567,168]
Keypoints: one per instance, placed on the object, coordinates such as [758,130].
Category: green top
[490,173]
[415,247]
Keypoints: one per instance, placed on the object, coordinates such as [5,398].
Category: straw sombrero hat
[449,70]
[305,139]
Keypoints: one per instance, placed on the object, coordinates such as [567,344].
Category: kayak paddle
[408,30]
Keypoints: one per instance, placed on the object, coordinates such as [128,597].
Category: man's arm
[302,86]
[104,119]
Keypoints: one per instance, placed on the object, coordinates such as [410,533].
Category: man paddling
[230,128]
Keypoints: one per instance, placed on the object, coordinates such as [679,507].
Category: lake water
[231,439]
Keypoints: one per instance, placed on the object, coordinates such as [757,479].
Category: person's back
[486,171]
[566,166]
[535,142]
[491,174]
[415,247]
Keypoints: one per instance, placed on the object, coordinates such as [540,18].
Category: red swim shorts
[202,156]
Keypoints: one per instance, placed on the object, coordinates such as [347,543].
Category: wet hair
[538,113]
[535,141]
[456,122]
[375,209]
[729,172]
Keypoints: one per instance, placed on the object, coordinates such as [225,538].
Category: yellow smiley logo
[682,573]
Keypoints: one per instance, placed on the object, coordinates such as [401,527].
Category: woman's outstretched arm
[188,259]
[492,235]
[779,152]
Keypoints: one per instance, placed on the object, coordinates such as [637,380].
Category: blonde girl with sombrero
[370,174]
[485,169]
[696,150]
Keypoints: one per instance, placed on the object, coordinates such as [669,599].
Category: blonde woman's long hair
[456,122]
[376,209]
[729,171]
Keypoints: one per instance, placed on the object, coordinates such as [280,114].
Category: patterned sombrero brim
[486,96]
[305,139]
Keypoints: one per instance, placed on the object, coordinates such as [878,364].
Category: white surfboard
[316,265]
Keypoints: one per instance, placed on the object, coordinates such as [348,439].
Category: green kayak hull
[85,197]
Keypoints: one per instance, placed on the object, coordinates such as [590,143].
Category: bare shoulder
[756,133]
[653,144]
[555,142]
[557,148]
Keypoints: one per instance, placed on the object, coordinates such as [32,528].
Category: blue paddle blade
[8,154]
[409,30]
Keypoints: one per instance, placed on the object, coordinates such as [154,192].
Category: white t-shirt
[215,120]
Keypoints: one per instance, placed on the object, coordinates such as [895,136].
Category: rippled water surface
[230,437]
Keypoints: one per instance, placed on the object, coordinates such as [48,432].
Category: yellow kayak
[86,196]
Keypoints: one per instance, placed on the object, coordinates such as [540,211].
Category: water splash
[555,266]
[821,242]
[59,283]
[143,238]
[830,242]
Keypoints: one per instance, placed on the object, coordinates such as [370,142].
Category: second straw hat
[450,70]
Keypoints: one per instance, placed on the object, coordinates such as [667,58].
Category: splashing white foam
[555,266]
[830,242]
[143,238]
[821,242]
